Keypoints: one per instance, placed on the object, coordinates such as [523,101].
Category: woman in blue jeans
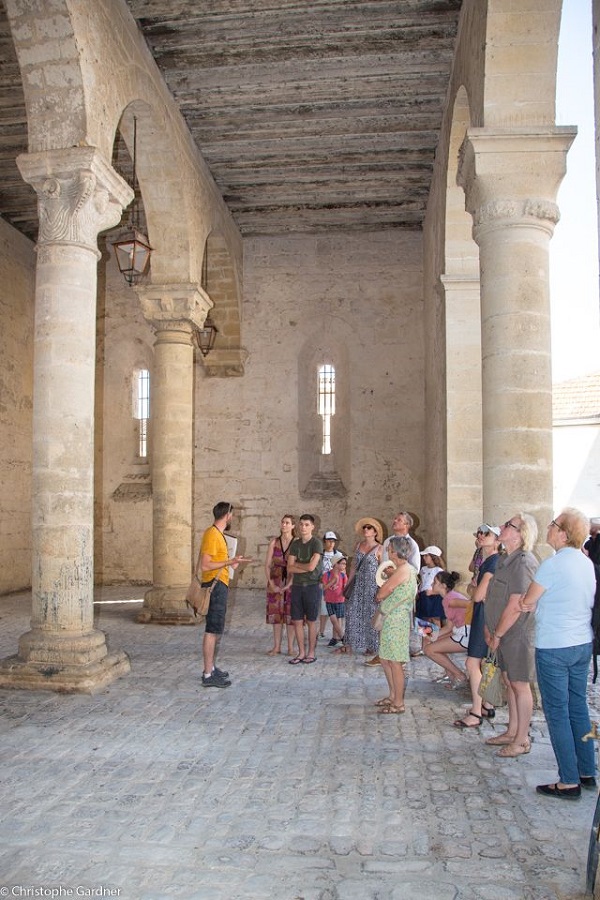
[562,593]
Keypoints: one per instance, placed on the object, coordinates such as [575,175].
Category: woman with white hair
[509,631]
[395,598]
[562,594]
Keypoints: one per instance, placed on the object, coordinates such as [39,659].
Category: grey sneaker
[213,680]
[220,673]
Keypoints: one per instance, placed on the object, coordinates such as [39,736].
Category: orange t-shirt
[214,543]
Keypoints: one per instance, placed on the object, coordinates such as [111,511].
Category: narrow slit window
[142,411]
[326,403]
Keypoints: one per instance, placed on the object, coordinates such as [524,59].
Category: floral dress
[279,606]
[397,609]
[361,605]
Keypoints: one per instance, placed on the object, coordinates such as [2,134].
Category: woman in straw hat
[360,637]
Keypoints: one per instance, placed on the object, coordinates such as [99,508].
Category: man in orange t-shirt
[215,563]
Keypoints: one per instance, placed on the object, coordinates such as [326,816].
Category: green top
[304,553]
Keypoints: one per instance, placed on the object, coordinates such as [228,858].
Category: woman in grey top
[512,637]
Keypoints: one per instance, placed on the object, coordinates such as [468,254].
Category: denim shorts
[215,617]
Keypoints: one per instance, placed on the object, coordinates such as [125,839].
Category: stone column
[175,311]
[511,179]
[463,415]
[79,194]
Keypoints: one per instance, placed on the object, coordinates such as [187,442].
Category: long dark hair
[448,579]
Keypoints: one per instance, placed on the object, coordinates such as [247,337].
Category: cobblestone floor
[287,785]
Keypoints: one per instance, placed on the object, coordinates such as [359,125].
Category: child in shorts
[334,583]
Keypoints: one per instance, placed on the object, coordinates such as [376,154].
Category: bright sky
[574,247]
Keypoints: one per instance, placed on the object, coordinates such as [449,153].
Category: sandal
[391,710]
[460,723]
[309,659]
[488,712]
[385,701]
[296,661]
[500,740]
[510,751]
[342,649]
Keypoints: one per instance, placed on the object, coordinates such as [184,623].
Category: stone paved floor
[287,785]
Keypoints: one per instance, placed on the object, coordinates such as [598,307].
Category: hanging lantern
[133,249]
[206,336]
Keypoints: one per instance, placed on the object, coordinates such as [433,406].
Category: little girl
[334,583]
[429,603]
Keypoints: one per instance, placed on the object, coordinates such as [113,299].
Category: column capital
[79,195]
[512,176]
[164,305]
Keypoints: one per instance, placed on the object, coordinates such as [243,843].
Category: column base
[66,663]
[166,606]
[19,674]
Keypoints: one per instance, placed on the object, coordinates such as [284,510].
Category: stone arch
[88,77]
[460,284]
[54,88]
[220,281]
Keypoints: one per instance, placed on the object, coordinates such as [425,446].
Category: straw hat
[369,520]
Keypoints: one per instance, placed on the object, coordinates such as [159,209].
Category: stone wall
[354,302]
[123,490]
[17,276]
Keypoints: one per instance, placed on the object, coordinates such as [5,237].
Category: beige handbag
[198,597]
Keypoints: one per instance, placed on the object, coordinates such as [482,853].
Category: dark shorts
[215,617]
[306,602]
[336,609]
[477,645]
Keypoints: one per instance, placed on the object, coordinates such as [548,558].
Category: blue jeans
[562,678]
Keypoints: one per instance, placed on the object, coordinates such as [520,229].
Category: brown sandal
[385,701]
[391,710]
[510,751]
[501,740]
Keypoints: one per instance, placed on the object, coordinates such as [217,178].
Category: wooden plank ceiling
[311,116]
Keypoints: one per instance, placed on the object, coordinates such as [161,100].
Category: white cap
[432,551]
[330,536]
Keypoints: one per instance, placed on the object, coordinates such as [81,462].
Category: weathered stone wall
[17,276]
[352,301]
[123,491]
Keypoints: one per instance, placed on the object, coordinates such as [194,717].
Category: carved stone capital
[529,208]
[164,305]
[79,195]
[511,176]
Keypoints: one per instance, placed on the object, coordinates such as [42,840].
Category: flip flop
[309,659]
[296,661]
[391,710]
[385,701]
